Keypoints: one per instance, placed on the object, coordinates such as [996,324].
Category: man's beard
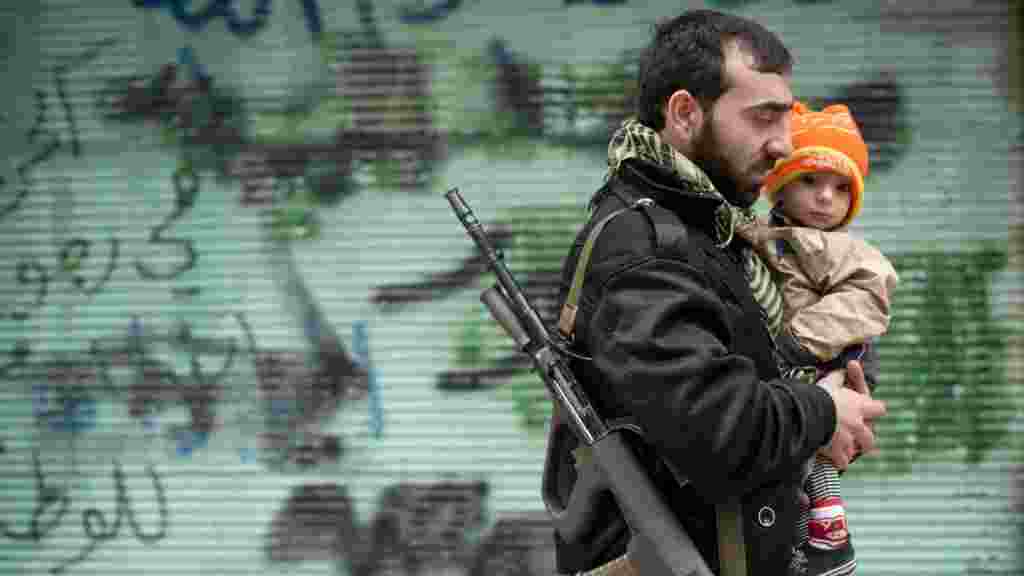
[711,160]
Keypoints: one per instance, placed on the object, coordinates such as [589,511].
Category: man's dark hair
[687,52]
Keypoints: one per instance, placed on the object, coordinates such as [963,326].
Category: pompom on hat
[823,141]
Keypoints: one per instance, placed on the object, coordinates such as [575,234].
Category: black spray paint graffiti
[35,279]
[98,529]
[517,89]
[299,389]
[423,528]
[32,276]
[201,117]
[186,188]
[40,132]
[295,397]
[879,104]
[532,250]
[390,131]
[156,385]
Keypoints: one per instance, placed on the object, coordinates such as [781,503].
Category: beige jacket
[836,288]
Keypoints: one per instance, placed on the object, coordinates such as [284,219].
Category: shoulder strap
[567,318]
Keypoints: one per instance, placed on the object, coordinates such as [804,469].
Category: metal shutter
[202,200]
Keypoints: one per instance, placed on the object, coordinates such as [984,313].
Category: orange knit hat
[823,141]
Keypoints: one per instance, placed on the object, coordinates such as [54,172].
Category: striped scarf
[635,140]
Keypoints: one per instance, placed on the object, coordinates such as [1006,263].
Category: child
[835,289]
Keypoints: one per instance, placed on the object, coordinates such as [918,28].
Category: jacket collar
[667,188]
[708,211]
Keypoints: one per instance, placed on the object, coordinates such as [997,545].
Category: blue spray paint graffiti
[361,354]
[187,59]
[195,21]
[427,14]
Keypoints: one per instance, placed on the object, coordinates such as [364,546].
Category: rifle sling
[567,318]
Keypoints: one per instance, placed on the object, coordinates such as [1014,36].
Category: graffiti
[74,252]
[191,110]
[417,528]
[46,496]
[23,168]
[361,353]
[392,298]
[484,357]
[317,522]
[237,24]
[952,354]
[571,105]
[19,354]
[95,524]
[879,105]
[214,9]
[60,73]
[517,89]
[740,3]
[187,59]
[517,546]
[186,188]
[301,391]
[63,401]
[98,530]
[51,142]
[371,37]
[598,2]
[30,274]
[295,396]
[421,14]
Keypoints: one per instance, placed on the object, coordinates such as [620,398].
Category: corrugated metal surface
[198,204]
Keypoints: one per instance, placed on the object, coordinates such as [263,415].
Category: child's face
[818,199]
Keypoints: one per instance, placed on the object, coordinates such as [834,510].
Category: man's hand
[855,411]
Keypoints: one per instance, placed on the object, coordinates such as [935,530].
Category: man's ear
[683,115]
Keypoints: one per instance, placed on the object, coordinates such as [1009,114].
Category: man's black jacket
[678,344]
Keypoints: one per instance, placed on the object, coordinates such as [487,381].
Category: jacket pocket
[770,517]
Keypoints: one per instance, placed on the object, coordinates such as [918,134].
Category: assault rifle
[659,546]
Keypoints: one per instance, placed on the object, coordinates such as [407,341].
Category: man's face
[746,130]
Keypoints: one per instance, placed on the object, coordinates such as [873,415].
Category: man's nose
[779,146]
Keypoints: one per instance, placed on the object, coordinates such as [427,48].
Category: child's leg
[826,526]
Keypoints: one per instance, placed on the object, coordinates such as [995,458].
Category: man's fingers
[855,378]
[872,409]
[840,458]
[864,438]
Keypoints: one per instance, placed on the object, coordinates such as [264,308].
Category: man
[675,317]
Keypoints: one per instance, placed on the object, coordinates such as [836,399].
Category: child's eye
[845,189]
[807,179]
